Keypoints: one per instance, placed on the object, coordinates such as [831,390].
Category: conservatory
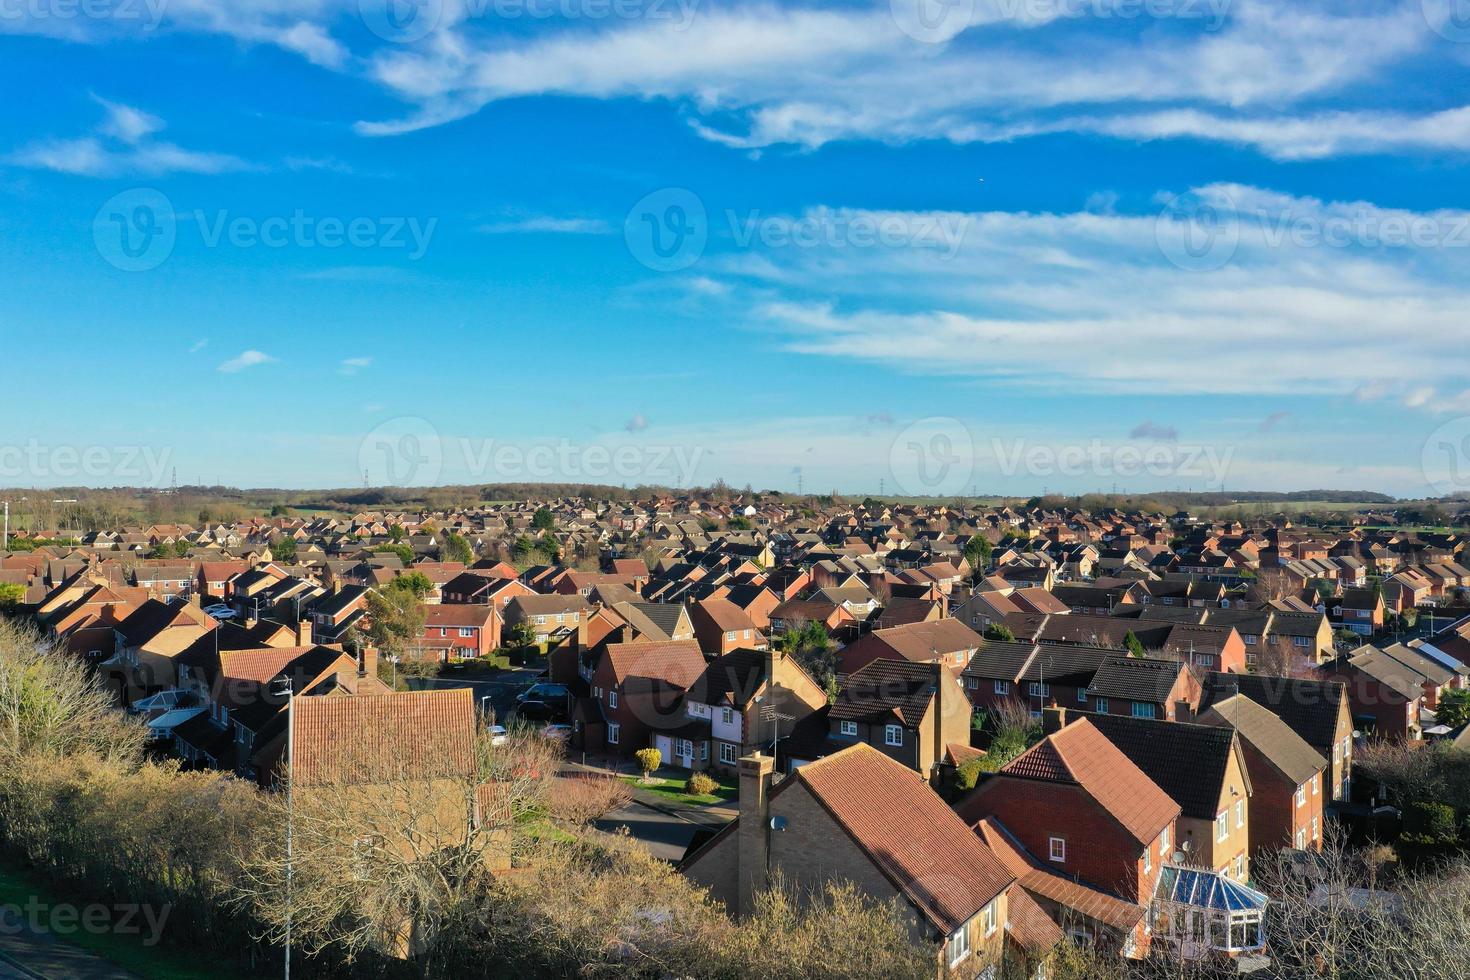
[1203,913]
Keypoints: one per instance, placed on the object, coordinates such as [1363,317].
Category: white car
[559,732]
[220,612]
[498,735]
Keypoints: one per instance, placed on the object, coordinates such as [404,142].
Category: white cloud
[548,225]
[247,359]
[352,365]
[122,146]
[1092,302]
[755,75]
[199,345]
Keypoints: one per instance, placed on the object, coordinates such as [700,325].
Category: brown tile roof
[1028,924]
[928,853]
[677,662]
[1271,736]
[430,734]
[1082,755]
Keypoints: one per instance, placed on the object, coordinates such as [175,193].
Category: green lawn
[673,791]
[19,886]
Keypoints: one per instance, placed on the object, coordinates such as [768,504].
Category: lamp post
[290,789]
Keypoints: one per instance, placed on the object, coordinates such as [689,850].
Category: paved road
[666,835]
[26,954]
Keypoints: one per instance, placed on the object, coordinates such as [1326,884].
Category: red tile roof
[929,854]
[426,734]
[1082,755]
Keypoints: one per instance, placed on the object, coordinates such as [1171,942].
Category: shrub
[648,760]
[583,800]
[969,772]
[700,784]
[1430,823]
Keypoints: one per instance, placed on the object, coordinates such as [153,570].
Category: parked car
[557,731]
[498,735]
[543,692]
[220,611]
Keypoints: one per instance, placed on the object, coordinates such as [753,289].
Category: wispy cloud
[636,424]
[545,224]
[122,145]
[198,346]
[247,359]
[1155,432]
[353,365]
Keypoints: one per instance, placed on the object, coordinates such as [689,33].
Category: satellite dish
[1179,857]
[1186,846]
[778,823]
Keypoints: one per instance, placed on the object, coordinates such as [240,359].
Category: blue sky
[993,245]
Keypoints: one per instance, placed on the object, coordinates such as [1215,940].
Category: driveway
[500,689]
[664,834]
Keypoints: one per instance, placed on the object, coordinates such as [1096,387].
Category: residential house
[637,690]
[722,627]
[914,712]
[1287,774]
[860,817]
[944,641]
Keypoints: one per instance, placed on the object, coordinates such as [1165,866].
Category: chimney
[1053,719]
[753,845]
[302,630]
[1183,711]
[367,662]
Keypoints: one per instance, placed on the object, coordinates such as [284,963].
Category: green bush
[969,772]
[1430,823]
[700,784]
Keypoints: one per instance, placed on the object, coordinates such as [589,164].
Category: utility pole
[5,546]
[290,788]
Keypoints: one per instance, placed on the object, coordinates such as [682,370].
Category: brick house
[1316,710]
[638,689]
[1203,769]
[1077,802]
[1286,807]
[911,712]
[457,632]
[860,817]
[722,627]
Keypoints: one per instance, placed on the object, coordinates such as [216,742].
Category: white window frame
[727,754]
[727,716]
[612,699]
[893,735]
[613,730]
[1164,843]
[1239,813]
[1301,795]
[990,919]
[1222,826]
[958,946]
[1002,687]
[848,728]
[1056,849]
[1100,705]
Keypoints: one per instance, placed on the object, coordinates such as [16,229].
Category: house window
[1302,641]
[1148,860]
[1144,710]
[727,753]
[849,728]
[1240,813]
[972,683]
[1301,795]
[1100,705]
[989,918]
[612,699]
[959,945]
[1057,849]
[1039,690]
[1164,843]
[730,635]
[1250,639]
[726,716]
[612,732]
[1315,780]
[1301,839]
[1003,687]
[1081,695]
[466,631]
[892,735]
[1222,825]
[1314,828]
[1240,866]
